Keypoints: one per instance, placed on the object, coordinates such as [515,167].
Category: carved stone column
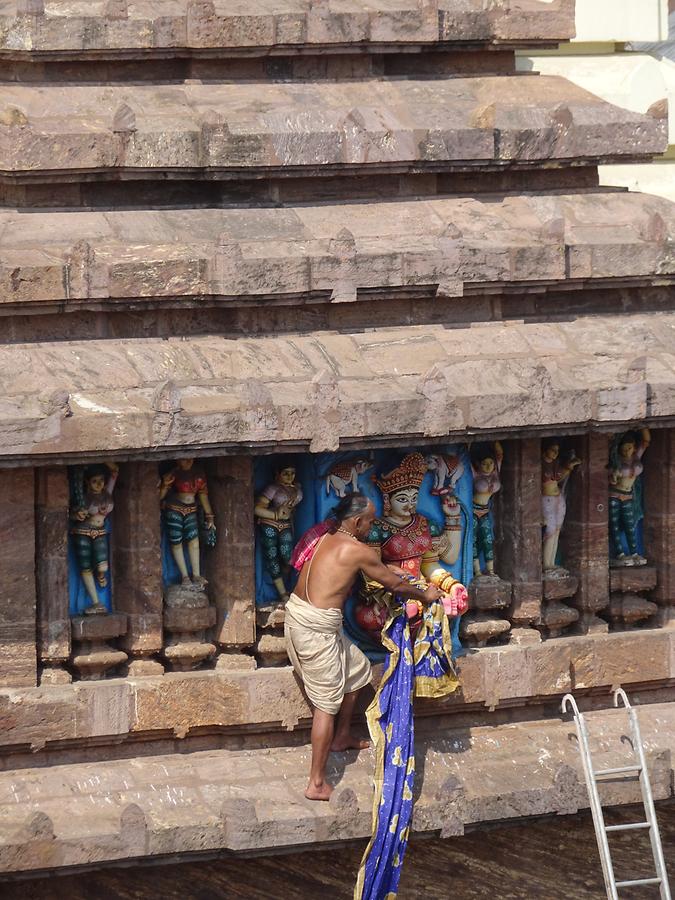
[488,599]
[659,523]
[584,539]
[519,536]
[137,565]
[51,569]
[18,651]
[93,657]
[230,566]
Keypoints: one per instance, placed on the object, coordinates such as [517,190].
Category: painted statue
[345,475]
[406,540]
[554,480]
[447,470]
[486,464]
[182,492]
[90,506]
[274,511]
[625,497]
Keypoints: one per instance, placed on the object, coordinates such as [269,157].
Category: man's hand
[432,593]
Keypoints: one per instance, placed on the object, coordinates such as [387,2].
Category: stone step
[252,800]
[139,27]
[445,246]
[318,390]
[73,131]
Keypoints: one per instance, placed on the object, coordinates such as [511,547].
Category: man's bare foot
[348,743]
[318,791]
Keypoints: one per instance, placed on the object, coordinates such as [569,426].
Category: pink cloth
[306,546]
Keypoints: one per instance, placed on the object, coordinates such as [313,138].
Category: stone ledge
[336,251]
[270,698]
[326,390]
[249,128]
[136,27]
[252,800]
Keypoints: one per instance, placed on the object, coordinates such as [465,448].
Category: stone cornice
[196,130]
[130,27]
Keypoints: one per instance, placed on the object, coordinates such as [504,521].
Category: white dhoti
[329,664]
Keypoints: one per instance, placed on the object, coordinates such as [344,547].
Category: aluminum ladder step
[593,777]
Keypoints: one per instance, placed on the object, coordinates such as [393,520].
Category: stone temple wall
[229,235]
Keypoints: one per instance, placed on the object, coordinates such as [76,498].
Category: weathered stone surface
[51,571]
[237,27]
[265,390]
[136,561]
[241,697]
[309,250]
[187,618]
[584,540]
[18,662]
[248,127]
[633,578]
[252,800]
[230,565]
[92,656]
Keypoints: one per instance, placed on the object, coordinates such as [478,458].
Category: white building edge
[624,52]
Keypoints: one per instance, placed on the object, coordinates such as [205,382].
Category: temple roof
[330,389]
[285,126]
[449,244]
[62,26]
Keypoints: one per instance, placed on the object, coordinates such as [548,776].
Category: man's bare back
[337,562]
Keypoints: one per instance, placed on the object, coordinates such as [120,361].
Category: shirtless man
[332,668]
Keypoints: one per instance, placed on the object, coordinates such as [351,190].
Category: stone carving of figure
[486,467]
[181,492]
[554,475]
[274,511]
[407,540]
[345,475]
[625,467]
[91,504]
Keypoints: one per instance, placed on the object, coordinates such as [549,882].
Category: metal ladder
[601,830]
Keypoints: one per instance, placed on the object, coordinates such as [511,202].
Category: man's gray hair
[354,504]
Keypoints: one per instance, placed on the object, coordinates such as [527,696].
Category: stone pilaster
[18,626]
[230,565]
[51,569]
[519,536]
[137,565]
[659,522]
[584,540]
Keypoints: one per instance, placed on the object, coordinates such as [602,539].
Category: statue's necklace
[348,533]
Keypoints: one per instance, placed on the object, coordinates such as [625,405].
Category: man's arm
[371,566]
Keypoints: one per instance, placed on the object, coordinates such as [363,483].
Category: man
[332,668]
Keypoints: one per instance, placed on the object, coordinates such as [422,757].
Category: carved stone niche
[484,622]
[556,616]
[92,656]
[270,647]
[627,607]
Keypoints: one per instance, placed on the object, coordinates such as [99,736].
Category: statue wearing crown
[409,542]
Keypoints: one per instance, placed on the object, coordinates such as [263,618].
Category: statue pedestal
[627,607]
[556,616]
[187,617]
[92,655]
[270,648]
[488,595]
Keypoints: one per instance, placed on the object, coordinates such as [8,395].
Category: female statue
[91,505]
[406,540]
[181,492]
[554,477]
[486,467]
[274,510]
[625,468]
